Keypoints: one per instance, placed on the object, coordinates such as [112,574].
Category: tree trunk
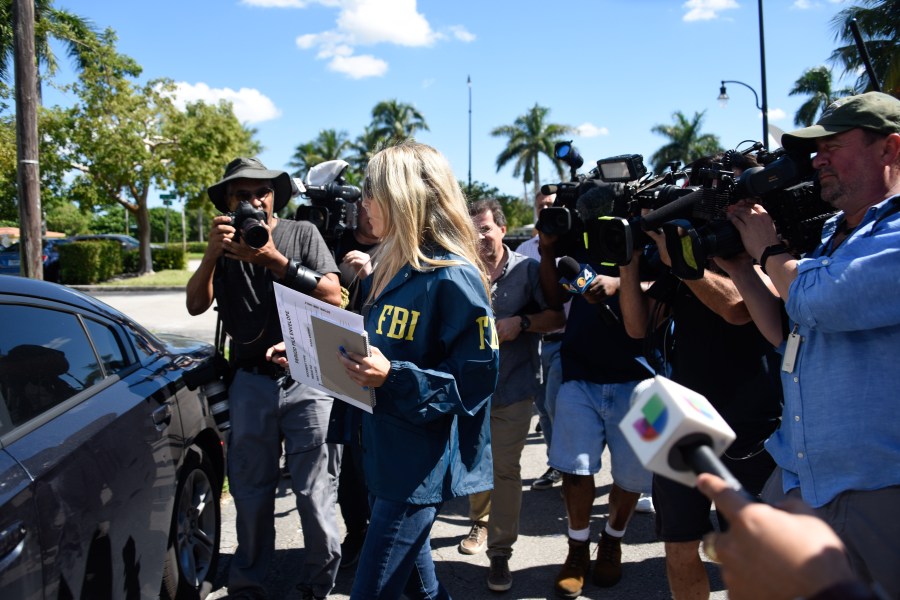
[145,265]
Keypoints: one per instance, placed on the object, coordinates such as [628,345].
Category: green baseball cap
[873,110]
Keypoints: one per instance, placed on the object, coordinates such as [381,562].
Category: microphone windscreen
[568,268]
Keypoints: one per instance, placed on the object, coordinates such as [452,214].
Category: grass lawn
[165,278]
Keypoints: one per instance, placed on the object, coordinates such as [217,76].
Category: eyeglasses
[250,195]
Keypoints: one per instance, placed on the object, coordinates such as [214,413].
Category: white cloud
[706,10]
[589,130]
[358,67]
[427,83]
[802,4]
[775,114]
[368,23]
[250,105]
[461,33]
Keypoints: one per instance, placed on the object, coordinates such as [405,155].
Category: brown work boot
[570,580]
[608,568]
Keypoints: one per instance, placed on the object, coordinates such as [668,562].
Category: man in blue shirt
[839,445]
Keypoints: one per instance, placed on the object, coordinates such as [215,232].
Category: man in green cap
[249,249]
[838,446]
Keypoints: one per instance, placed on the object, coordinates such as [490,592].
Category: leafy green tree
[686,143]
[879,26]
[393,120]
[517,211]
[529,137]
[815,83]
[77,35]
[124,140]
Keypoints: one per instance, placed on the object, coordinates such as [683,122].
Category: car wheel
[193,553]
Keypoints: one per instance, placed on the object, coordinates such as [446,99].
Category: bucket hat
[875,111]
[251,168]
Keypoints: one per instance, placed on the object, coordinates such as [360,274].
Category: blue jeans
[396,556]
[545,401]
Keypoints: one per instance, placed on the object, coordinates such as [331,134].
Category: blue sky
[611,68]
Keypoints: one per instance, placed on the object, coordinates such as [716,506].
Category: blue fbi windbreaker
[428,438]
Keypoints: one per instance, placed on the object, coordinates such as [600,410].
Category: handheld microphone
[574,277]
[675,432]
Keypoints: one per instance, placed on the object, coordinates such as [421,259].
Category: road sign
[167,196]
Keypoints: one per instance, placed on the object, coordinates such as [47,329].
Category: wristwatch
[769,252]
[524,322]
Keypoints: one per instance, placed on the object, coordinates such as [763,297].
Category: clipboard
[329,337]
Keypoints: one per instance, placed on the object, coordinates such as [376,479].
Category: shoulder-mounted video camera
[695,225]
[597,212]
[332,204]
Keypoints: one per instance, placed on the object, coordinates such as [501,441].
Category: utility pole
[28,172]
[469,82]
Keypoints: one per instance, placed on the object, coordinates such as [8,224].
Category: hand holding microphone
[580,279]
[675,432]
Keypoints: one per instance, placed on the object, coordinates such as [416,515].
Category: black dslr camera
[248,224]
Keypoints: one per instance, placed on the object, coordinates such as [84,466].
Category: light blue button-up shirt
[840,428]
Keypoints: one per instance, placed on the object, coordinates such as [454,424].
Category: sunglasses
[250,195]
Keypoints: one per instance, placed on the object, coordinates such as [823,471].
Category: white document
[313,361]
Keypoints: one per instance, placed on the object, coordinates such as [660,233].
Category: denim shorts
[586,420]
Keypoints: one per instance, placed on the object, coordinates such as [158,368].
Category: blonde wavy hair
[422,204]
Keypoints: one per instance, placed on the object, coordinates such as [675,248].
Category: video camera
[333,203]
[599,212]
[694,222]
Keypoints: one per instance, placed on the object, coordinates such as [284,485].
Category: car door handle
[162,416]
[12,543]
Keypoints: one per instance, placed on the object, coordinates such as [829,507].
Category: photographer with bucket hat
[249,249]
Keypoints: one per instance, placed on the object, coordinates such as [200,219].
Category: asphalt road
[538,554]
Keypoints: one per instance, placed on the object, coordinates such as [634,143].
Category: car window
[108,347]
[45,358]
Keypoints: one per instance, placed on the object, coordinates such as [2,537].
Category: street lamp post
[723,95]
[723,101]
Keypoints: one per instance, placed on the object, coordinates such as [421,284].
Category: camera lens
[217,397]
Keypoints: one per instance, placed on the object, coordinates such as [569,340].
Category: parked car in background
[111,462]
[128,242]
[10,259]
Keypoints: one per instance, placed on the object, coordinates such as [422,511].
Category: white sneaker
[644,504]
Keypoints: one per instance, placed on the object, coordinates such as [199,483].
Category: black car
[10,259]
[111,465]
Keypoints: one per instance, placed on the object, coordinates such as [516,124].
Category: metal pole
[762,70]
[469,82]
[28,172]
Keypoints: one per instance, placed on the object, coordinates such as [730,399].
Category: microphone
[676,433]
[574,277]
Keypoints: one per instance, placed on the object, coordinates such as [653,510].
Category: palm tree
[816,83]
[528,138]
[362,149]
[394,120]
[78,36]
[879,25]
[330,144]
[686,144]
